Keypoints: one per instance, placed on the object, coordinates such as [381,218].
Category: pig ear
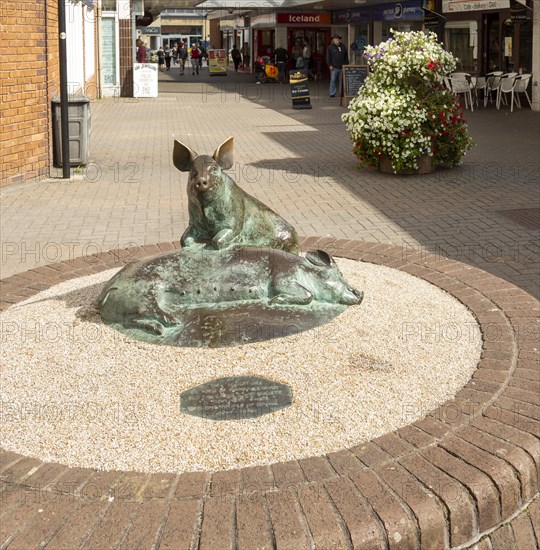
[320,258]
[182,156]
[224,154]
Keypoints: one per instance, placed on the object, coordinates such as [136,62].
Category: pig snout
[202,184]
[351,296]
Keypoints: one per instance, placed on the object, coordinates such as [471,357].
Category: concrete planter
[425,166]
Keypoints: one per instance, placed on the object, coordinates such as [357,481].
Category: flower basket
[404,121]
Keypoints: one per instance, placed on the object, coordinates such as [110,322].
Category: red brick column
[126,58]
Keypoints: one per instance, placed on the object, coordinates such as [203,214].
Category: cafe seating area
[494,87]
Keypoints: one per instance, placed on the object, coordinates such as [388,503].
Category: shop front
[311,28]
[358,30]
[235,31]
[372,24]
[290,30]
[488,35]
[397,16]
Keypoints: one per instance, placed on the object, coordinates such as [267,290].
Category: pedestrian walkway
[466,475]
[298,162]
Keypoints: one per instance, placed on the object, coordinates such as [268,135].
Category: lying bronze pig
[221,214]
[153,292]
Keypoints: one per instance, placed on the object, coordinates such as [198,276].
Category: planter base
[425,166]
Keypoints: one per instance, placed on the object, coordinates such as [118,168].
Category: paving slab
[298,162]
[468,481]
[392,492]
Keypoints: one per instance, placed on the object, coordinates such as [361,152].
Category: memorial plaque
[235,398]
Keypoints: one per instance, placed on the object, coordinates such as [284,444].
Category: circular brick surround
[446,480]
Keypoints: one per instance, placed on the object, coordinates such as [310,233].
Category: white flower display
[403,108]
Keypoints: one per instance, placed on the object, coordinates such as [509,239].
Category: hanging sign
[519,11]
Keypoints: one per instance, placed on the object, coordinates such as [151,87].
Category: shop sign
[145,79]
[519,11]
[151,30]
[217,62]
[431,17]
[266,20]
[455,6]
[299,89]
[351,16]
[399,11]
[303,18]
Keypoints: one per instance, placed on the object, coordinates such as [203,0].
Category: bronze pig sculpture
[153,293]
[221,214]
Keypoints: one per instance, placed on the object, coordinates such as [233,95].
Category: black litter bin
[79,130]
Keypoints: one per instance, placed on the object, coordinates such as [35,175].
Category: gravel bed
[78,392]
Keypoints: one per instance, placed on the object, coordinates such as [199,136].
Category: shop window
[108,5]
[360,36]
[461,38]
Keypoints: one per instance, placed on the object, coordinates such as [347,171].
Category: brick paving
[298,162]
[466,475]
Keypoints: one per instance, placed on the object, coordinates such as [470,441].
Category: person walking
[174,54]
[161,58]
[168,57]
[195,59]
[297,53]
[281,56]
[336,57]
[182,56]
[306,57]
[141,51]
[236,57]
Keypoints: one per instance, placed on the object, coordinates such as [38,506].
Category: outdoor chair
[479,84]
[493,80]
[467,78]
[463,76]
[506,86]
[447,84]
[462,86]
[522,83]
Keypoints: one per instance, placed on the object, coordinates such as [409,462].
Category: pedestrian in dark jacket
[336,57]
[236,57]
[168,57]
[281,56]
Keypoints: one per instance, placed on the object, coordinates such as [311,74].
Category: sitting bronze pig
[154,292]
[221,214]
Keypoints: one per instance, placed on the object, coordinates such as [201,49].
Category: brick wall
[26,86]
[29,79]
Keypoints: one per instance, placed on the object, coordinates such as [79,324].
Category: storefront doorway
[265,42]
[492,45]
[318,40]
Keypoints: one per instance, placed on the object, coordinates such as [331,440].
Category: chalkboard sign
[353,79]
